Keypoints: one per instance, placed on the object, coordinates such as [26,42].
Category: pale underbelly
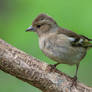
[65,55]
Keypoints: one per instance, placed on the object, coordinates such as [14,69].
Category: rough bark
[35,72]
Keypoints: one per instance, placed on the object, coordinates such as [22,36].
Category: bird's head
[42,24]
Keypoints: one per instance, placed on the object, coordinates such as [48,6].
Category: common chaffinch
[59,44]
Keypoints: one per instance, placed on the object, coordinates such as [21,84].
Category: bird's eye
[38,26]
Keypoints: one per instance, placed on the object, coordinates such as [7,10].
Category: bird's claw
[52,66]
[74,81]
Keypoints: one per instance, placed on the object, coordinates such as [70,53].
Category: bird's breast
[42,42]
[46,46]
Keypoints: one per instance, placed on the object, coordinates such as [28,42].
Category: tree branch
[35,72]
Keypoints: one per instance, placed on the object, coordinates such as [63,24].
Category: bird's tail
[89,45]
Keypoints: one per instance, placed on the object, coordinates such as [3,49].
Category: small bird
[59,44]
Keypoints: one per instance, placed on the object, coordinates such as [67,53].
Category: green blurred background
[17,15]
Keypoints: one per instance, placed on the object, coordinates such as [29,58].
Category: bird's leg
[75,77]
[54,65]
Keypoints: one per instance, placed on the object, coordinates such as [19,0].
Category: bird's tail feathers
[90,46]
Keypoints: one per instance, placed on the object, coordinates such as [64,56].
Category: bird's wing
[76,40]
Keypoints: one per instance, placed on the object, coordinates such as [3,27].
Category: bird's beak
[30,29]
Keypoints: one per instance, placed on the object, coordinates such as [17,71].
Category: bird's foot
[53,66]
[74,81]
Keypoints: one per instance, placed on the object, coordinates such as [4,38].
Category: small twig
[35,72]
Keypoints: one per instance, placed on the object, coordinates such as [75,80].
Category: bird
[59,44]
